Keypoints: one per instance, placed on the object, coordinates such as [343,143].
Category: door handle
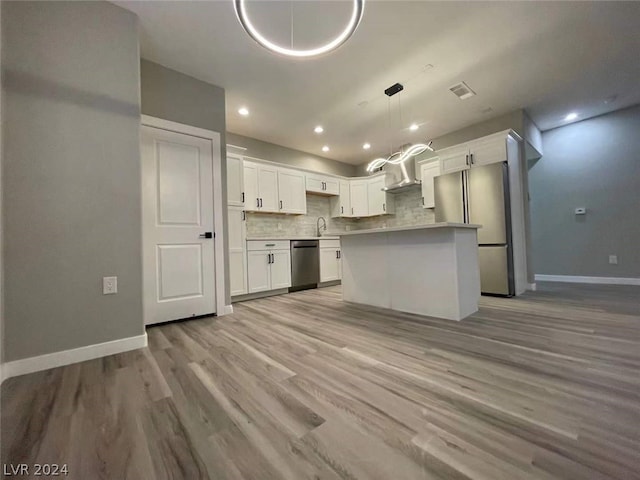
[206,235]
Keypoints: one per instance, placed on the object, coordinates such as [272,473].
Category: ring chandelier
[252,31]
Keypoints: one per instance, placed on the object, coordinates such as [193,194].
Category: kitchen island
[428,270]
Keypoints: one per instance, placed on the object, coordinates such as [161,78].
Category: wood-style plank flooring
[305,386]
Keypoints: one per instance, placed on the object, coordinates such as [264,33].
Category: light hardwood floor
[305,386]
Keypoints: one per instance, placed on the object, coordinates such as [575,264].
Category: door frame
[218,200]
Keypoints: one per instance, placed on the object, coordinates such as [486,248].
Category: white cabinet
[359,201]
[341,205]
[454,159]
[237,251]
[330,263]
[322,184]
[235,180]
[482,151]
[291,191]
[261,187]
[379,201]
[428,171]
[268,265]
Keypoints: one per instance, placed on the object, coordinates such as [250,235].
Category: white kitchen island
[429,270]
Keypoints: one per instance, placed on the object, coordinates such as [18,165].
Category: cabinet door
[237,251]
[345,199]
[376,196]
[291,191]
[488,150]
[329,258]
[268,188]
[359,202]
[454,159]
[314,183]
[428,171]
[339,264]
[331,186]
[235,184]
[258,268]
[250,179]
[280,269]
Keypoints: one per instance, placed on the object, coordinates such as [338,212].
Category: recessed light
[318,129]
[366,146]
[244,111]
[325,149]
[571,116]
[413,127]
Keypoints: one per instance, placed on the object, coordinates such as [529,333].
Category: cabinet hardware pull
[342,209]
[269,258]
[242,197]
[244,215]
[273,258]
[269,244]
[280,204]
[466,159]
[258,202]
[423,201]
[351,210]
[339,253]
[384,207]
[471,159]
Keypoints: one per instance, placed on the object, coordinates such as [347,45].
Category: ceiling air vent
[462,91]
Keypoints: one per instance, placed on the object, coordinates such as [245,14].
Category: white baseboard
[599,280]
[228,310]
[67,357]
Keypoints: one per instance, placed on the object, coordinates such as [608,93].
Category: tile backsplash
[408,205]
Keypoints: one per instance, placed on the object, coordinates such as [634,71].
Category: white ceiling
[547,57]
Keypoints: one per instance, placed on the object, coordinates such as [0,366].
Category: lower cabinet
[330,261]
[268,265]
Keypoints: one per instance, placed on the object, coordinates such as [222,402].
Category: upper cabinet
[379,201]
[483,151]
[341,205]
[359,198]
[261,187]
[322,184]
[235,180]
[291,191]
[428,171]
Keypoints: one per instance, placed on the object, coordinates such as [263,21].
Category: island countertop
[407,228]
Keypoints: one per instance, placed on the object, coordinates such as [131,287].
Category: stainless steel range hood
[403,176]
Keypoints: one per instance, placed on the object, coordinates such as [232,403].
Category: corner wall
[71,175]
[595,164]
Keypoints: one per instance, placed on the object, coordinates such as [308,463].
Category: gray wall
[71,175]
[595,164]
[177,97]
[276,153]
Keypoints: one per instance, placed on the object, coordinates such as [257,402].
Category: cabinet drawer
[268,245]
[329,243]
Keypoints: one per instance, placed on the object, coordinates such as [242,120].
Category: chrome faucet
[324,225]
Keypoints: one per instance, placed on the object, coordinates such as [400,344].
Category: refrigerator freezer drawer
[494,270]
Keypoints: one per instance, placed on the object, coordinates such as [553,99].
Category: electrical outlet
[613,259]
[109,285]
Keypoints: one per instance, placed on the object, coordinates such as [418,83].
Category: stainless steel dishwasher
[305,264]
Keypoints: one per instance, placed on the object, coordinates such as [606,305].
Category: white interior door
[179,266]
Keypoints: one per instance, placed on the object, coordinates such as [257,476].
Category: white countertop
[408,228]
[297,237]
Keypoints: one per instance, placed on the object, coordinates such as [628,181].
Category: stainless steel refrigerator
[481,195]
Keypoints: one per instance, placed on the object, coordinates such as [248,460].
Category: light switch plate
[109,285]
